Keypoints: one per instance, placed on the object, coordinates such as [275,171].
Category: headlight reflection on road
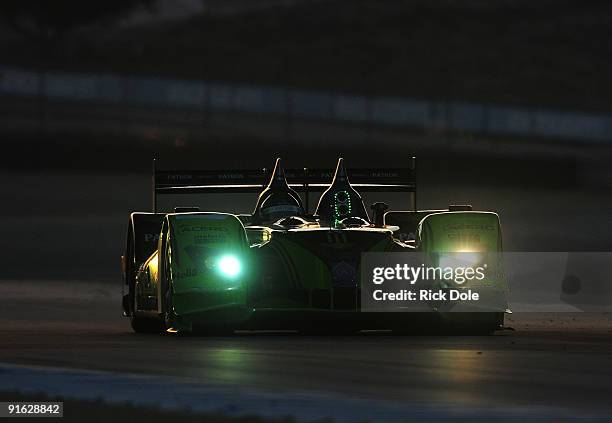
[462,372]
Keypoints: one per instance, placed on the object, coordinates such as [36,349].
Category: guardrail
[387,111]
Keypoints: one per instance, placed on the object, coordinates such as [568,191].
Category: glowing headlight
[229,266]
[460,259]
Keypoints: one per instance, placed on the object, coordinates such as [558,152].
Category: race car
[284,267]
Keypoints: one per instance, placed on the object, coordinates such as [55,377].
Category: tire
[147,325]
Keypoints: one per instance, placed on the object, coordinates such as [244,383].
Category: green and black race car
[282,267]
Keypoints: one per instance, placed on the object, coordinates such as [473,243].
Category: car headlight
[460,259]
[229,266]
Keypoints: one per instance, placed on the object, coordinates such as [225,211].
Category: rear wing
[302,180]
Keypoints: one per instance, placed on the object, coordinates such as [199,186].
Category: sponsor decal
[179,178]
[469,226]
[203,216]
[151,237]
[284,208]
[199,228]
[226,176]
[472,238]
[187,273]
[211,237]
[385,174]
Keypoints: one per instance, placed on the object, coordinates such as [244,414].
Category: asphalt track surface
[560,361]
[550,360]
